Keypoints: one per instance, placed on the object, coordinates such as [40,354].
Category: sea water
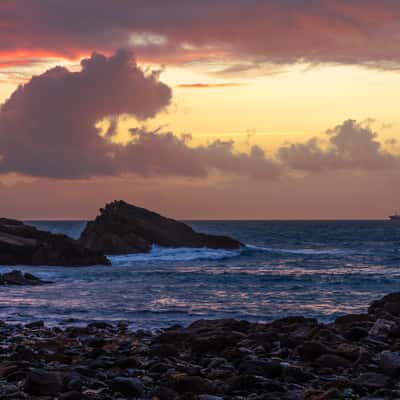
[319,269]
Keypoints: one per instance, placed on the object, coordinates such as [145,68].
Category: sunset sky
[228,109]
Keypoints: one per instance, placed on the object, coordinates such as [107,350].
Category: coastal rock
[122,228]
[22,244]
[20,279]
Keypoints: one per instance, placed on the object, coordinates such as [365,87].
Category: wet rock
[18,278]
[268,369]
[372,380]
[356,334]
[73,395]
[35,325]
[310,351]
[123,228]
[390,363]
[43,383]
[333,361]
[192,384]
[127,386]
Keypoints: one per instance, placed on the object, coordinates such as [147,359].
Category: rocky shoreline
[355,357]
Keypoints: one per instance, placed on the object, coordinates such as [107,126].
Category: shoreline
[355,357]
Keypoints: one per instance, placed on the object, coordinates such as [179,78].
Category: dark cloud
[351,146]
[259,31]
[48,128]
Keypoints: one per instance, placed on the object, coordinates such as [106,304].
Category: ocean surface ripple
[319,269]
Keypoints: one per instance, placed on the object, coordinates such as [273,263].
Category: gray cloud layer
[274,31]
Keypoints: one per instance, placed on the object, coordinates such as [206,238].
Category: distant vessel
[395,217]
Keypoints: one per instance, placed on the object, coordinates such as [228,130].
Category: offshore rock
[122,228]
[20,279]
[22,244]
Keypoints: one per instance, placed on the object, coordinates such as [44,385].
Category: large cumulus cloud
[258,31]
[351,146]
[48,127]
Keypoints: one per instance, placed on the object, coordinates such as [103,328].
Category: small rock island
[122,228]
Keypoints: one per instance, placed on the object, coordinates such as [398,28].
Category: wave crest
[161,254]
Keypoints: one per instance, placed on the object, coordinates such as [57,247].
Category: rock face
[21,244]
[122,228]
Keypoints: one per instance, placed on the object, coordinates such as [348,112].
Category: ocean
[319,269]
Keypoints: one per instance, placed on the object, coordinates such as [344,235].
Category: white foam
[158,253]
[298,251]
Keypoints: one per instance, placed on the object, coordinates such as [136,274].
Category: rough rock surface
[293,358]
[22,244]
[20,279]
[122,228]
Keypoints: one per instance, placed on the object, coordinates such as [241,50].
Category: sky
[222,109]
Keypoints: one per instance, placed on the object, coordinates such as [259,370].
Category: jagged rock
[122,228]
[22,244]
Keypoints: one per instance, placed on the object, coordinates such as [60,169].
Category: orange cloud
[209,85]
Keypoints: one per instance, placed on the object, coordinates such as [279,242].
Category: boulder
[122,228]
[22,244]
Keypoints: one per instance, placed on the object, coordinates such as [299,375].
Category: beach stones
[304,360]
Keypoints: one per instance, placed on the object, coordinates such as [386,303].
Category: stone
[127,386]
[381,328]
[310,351]
[73,395]
[333,361]
[372,380]
[35,325]
[193,384]
[18,278]
[43,383]
[390,363]
[122,228]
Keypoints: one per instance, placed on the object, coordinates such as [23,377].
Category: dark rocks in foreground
[295,358]
[122,228]
[21,244]
[20,279]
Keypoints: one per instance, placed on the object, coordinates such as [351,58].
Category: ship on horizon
[395,217]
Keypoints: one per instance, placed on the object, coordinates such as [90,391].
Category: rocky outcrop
[20,279]
[22,244]
[122,228]
[294,358]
